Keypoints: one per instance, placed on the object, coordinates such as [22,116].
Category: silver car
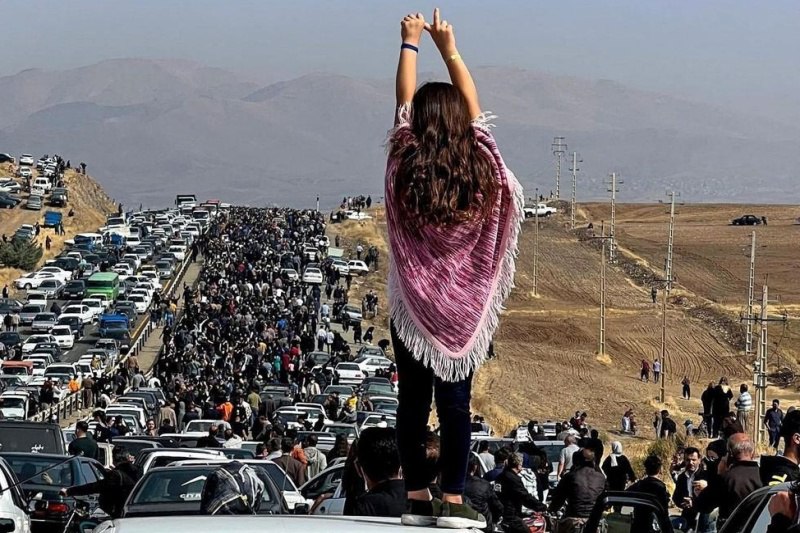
[28,312]
[43,322]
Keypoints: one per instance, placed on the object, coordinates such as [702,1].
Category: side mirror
[301,508]
[7,525]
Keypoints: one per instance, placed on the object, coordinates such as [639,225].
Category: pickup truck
[542,210]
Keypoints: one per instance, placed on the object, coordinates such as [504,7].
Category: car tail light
[57,508]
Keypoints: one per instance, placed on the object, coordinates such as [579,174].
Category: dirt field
[86,197]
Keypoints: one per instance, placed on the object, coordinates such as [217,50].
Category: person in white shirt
[565,461]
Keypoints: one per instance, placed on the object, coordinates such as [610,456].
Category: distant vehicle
[6,158]
[348,373]
[64,336]
[8,201]
[290,273]
[42,183]
[357,267]
[28,312]
[353,313]
[60,273]
[84,312]
[312,275]
[26,159]
[52,288]
[32,280]
[58,199]
[542,210]
[52,218]
[24,172]
[43,322]
[74,289]
[103,283]
[9,185]
[370,364]
[34,202]
[746,220]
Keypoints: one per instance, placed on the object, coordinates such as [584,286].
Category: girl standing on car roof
[453,212]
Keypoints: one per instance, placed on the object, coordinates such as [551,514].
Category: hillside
[143,123]
[87,198]
[547,365]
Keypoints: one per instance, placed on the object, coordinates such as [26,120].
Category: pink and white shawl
[447,285]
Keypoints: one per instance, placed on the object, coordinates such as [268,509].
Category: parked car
[371,364]
[32,280]
[348,373]
[357,267]
[28,312]
[10,185]
[746,220]
[34,202]
[43,322]
[312,275]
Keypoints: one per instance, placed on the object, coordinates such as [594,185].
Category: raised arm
[444,37]
[406,83]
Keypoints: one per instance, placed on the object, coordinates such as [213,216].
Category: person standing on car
[453,205]
[514,496]
[578,490]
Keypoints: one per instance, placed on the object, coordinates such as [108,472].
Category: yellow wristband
[453,57]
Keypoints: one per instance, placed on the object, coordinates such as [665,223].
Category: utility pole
[665,294]
[760,366]
[748,350]
[601,349]
[317,204]
[612,188]
[559,149]
[573,204]
[535,242]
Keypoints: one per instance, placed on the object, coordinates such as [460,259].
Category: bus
[105,283]
[185,200]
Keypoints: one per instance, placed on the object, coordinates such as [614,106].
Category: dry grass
[86,197]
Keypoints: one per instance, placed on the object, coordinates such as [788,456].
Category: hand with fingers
[442,34]
[411,28]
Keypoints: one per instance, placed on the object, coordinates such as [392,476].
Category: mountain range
[149,129]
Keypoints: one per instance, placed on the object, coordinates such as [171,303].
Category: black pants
[417,387]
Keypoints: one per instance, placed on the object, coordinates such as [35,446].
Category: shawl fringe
[458,369]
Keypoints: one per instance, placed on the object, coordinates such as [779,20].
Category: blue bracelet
[410,47]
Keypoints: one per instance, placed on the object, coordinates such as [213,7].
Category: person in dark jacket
[379,465]
[578,489]
[514,496]
[481,495]
[83,444]
[500,458]
[707,399]
[683,496]
[617,468]
[738,477]
[721,405]
[115,487]
[776,469]
[650,484]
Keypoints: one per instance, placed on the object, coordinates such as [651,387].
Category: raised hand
[411,28]
[442,34]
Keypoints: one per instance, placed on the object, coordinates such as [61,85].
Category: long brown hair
[443,176]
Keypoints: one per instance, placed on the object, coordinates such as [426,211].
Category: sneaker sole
[416,520]
[455,522]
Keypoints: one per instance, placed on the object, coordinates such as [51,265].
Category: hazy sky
[736,53]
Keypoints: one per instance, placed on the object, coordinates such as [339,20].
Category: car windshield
[179,485]
[348,366]
[35,470]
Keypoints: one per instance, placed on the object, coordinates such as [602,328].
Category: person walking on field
[656,370]
[645,371]
[452,204]
[687,391]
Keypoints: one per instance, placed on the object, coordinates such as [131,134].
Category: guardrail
[73,402]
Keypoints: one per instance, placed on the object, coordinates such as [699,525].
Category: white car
[140,303]
[26,159]
[541,210]
[146,287]
[33,280]
[24,172]
[123,269]
[43,184]
[372,363]
[290,273]
[96,305]
[64,336]
[152,278]
[178,251]
[133,257]
[377,420]
[357,267]
[84,312]
[348,374]
[312,275]
[340,265]
[9,185]
[31,342]
[60,273]
[356,215]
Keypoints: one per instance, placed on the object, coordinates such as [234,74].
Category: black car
[58,199]
[175,490]
[74,290]
[9,305]
[67,263]
[8,201]
[50,348]
[31,437]
[10,339]
[746,220]
[75,324]
[47,477]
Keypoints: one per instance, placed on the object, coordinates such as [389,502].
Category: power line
[559,149]
[668,280]
[601,348]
